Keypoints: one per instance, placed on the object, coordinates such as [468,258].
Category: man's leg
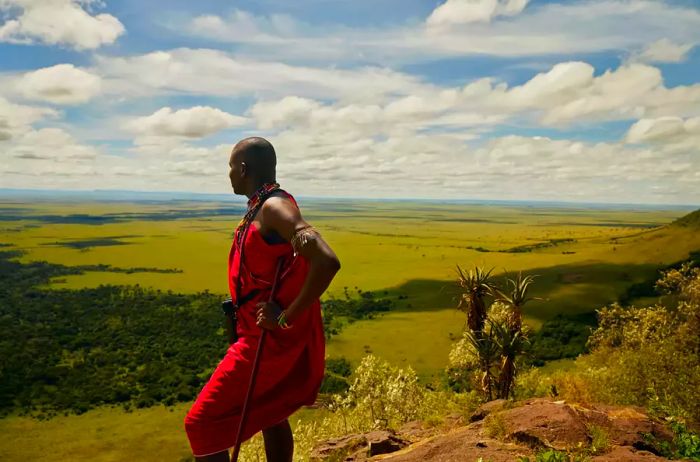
[222,456]
[279,443]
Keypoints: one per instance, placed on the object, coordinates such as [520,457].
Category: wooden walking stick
[254,373]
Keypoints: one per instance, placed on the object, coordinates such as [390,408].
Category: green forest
[70,350]
[67,350]
[77,349]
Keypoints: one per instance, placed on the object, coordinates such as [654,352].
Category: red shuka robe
[292,363]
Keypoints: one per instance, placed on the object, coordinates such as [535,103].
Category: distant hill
[691,220]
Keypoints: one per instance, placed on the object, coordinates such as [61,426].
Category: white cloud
[27,152]
[618,94]
[195,122]
[561,81]
[190,168]
[454,12]
[301,112]
[58,22]
[540,29]
[242,26]
[671,135]
[49,143]
[417,143]
[664,51]
[655,129]
[400,117]
[567,93]
[17,119]
[510,167]
[347,129]
[59,84]
[212,72]
[437,165]
[553,28]
[290,110]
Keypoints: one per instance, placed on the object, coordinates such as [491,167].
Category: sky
[581,101]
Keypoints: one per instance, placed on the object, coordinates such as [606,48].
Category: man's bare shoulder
[281,214]
[279,205]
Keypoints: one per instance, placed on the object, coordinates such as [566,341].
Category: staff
[254,373]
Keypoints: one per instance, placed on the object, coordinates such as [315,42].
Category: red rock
[465,444]
[627,454]
[338,448]
[523,429]
[629,424]
[488,408]
[383,442]
[541,423]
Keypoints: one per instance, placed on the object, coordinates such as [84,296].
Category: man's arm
[281,216]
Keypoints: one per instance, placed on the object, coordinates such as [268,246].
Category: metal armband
[302,237]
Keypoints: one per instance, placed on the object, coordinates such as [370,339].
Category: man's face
[235,172]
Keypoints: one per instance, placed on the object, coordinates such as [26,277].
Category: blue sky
[585,101]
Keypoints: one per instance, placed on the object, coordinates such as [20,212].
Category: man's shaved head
[259,156]
[253,162]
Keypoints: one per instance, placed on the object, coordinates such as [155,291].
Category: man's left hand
[267,315]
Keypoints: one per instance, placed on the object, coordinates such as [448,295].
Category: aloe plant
[496,342]
[476,285]
[516,298]
[510,344]
[488,352]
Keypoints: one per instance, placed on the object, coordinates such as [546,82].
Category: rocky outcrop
[359,446]
[466,444]
[503,431]
[627,454]
[544,424]
[488,408]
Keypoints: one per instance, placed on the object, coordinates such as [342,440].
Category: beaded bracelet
[282,321]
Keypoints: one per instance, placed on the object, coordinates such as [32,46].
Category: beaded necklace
[258,197]
[254,205]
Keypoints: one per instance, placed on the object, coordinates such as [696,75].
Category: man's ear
[244,169]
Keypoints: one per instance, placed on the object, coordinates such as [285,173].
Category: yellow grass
[405,248]
[105,434]
[380,246]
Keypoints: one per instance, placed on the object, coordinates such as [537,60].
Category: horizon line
[385,199]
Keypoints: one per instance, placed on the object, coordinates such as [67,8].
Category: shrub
[380,396]
[383,395]
[648,356]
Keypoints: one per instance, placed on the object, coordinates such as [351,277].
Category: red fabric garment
[292,363]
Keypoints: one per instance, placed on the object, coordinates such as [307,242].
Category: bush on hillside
[381,396]
[648,356]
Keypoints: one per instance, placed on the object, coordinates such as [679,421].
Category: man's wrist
[282,320]
[291,312]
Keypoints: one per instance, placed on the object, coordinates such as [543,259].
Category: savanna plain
[401,255]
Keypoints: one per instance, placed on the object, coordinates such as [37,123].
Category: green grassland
[381,245]
[107,434]
[584,257]
[406,251]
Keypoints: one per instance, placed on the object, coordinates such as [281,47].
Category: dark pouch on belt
[231,311]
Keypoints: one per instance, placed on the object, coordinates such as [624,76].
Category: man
[291,368]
